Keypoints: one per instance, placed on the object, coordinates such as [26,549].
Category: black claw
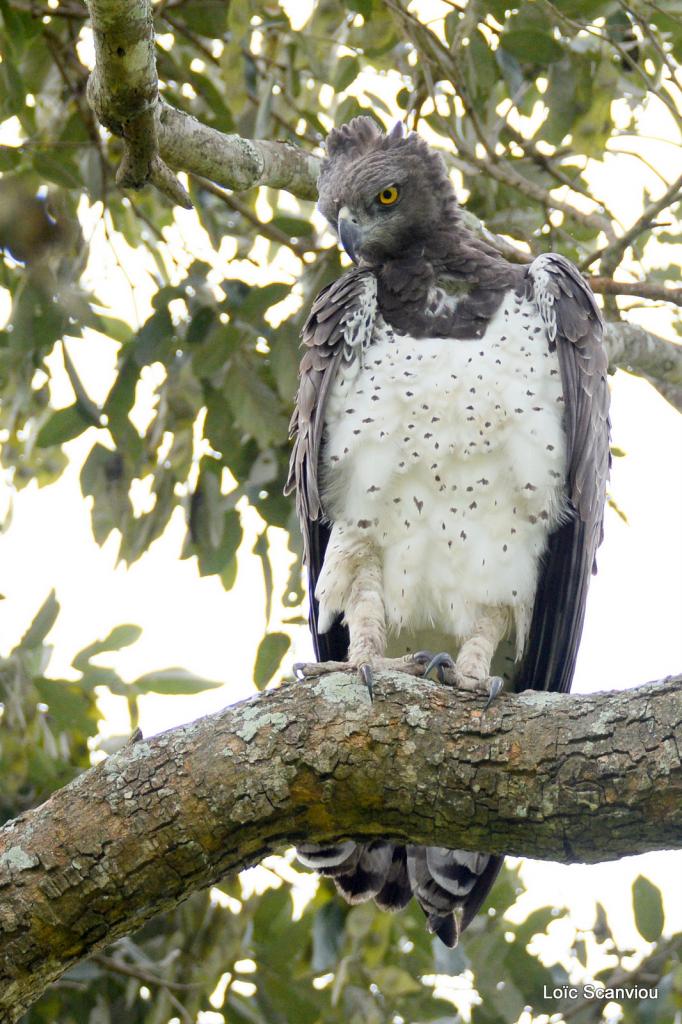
[422,657]
[368,678]
[439,661]
[496,684]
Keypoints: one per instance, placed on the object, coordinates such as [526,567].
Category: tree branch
[123,92]
[233,161]
[643,289]
[659,361]
[582,778]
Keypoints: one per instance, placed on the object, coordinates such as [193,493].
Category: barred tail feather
[442,881]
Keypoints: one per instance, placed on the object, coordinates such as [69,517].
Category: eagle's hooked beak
[350,233]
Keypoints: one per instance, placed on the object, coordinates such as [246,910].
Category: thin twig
[270,231]
[141,974]
[615,250]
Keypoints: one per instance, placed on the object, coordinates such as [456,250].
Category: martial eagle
[450,460]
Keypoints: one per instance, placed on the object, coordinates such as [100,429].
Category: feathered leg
[352,582]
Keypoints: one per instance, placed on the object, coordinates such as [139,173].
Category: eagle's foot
[465,674]
[313,669]
[411,664]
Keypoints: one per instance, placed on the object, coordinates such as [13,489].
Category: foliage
[523,102]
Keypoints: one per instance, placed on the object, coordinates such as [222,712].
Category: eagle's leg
[359,565]
[471,670]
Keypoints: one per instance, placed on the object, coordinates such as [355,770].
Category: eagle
[450,458]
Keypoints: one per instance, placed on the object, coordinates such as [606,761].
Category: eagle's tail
[449,885]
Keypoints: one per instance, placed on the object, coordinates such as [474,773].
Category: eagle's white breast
[448,456]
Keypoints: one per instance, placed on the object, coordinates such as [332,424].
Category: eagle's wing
[338,327]
[575,327]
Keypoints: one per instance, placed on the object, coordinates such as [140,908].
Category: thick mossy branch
[568,778]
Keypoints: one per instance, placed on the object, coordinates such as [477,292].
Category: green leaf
[173,681]
[155,339]
[327,936]
[200,325]
[10,158]
[70,708]
[647,904]
[57,169]
[120,636]
[255,406]
[104,477]
[347,70]
[394,981]
[531,46]
[42,624]
[271,650]
[63,425]
[86,405]
[295,227]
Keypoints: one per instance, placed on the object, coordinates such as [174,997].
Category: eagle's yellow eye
[388,196]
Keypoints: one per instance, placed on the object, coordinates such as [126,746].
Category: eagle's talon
[367,677]
[422,658]
[495,685]
[440,661]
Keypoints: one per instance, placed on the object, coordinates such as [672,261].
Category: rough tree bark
[568,778]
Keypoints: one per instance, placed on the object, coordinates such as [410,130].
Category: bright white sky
[635,609]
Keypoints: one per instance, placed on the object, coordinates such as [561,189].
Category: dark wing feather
[325,342]
[576,328]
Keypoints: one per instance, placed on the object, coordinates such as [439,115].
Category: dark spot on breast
[529,487]
[463,535]
[473,505]
[368,419]
[372,489]
[483,481]
[364,524]
[419,504]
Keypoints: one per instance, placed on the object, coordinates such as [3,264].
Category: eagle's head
[387,195]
